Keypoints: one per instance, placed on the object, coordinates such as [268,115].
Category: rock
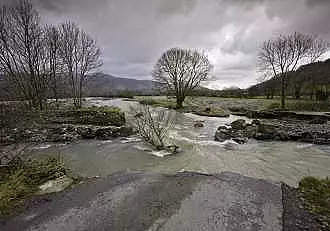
[104,132]
[86,132]
[56,185]
[89,117]
[223,133]
[172,149]
[238,124]
[198,125]
[282,136]
[241,140]
[62,138]
[125,131]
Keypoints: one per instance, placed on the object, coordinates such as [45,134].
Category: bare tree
[180,71]
[22,52]
[153,126]
[55,69]
[80,55]
[285,53]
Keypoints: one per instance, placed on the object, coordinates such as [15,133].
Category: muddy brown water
[279,161]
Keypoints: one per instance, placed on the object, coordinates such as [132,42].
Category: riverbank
[63,125]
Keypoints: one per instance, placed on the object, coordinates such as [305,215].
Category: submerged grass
[316,195]
[20,181]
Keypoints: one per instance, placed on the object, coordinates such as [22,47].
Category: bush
[21,180]
[153,126]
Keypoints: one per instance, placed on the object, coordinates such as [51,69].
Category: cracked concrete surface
[139,201]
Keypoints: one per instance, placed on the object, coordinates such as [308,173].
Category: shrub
[21,179]
[153,126]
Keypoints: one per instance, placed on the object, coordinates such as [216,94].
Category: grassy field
[237,104]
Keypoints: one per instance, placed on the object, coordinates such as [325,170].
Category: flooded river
[280,161]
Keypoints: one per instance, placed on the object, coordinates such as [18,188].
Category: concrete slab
[137,201]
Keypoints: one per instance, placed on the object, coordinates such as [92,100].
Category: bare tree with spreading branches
[286,53]
[22,52]
[80,55]
[153,126]
[180,71]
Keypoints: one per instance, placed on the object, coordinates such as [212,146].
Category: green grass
[238,104]
[99,109]
[20,181]
[316,195]
[302,105]
[158,102]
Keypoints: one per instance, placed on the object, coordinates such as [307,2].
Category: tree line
[36,60]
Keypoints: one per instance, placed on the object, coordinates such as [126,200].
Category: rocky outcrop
[88,116]
[278,130]
[64,133]
[67,126]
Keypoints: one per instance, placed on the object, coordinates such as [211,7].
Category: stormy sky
[134,33]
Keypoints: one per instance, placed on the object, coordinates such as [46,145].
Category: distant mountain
[308,80]
[99,84]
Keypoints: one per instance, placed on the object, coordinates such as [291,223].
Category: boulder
[86,132]
[241,140]
[198,124]
[57,185]
[172,149]
[223,133]
[238,124]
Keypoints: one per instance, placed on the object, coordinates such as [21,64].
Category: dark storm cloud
[134,33]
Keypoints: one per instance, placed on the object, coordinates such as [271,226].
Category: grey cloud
[133,34]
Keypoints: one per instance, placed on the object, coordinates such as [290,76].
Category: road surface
[140,201]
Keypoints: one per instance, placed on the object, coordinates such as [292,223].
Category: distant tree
[22,52]
[285,53]
[180,71]
[80,55]
[319,48]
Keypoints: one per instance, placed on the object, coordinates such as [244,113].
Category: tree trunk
[283,91]
[297,92]
[179,102]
